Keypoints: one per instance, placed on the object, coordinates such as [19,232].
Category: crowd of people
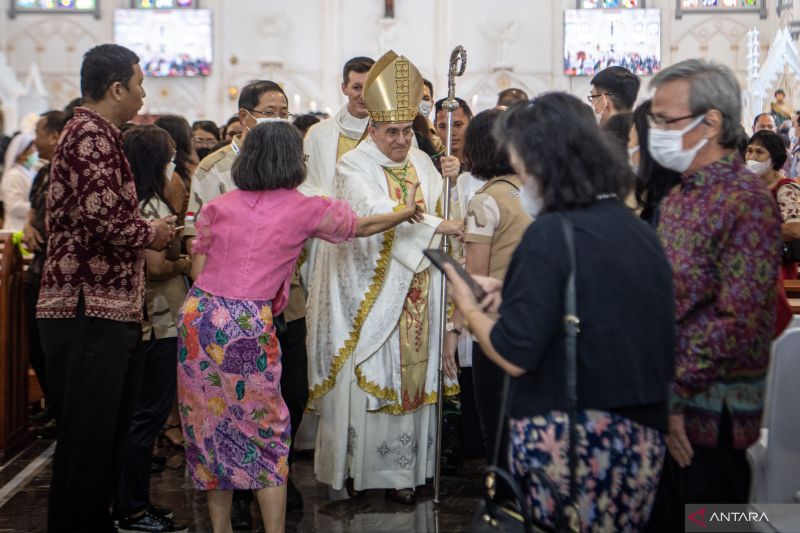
[214,284]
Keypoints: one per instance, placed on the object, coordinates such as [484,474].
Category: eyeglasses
[592,97]
[272,114]
[659,121]
[204,142]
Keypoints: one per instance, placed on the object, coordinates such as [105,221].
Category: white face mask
[631,152]
[530,199]
[759,168]
[425,107]
[666,147]
[169,170]
[270,119]
[599,116]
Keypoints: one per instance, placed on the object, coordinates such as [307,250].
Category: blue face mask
[31,160]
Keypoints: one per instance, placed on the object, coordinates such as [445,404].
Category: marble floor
[24,484]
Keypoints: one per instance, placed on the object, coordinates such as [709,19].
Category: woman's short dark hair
[102,67]
[304,122]
[149,150]
[557,138]
[208,126]
[653,182]
[483,156]
[774,144]
[271,158]
[180,131]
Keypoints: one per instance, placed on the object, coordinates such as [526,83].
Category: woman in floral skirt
[234,420]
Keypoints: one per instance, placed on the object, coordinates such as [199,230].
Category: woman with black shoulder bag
[586,326]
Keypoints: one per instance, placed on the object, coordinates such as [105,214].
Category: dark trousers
[35,352]
[294,373]
[471,432]
[715,475]
[488,381]
[294,382]
[94,375]
[152,409]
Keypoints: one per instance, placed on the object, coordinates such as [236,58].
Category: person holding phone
[150,152]
[92,291]
[626,318]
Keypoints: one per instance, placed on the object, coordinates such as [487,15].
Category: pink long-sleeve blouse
[252,240]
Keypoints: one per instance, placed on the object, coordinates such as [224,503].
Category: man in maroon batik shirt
[92,292]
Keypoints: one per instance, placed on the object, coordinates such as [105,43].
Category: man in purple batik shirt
[721,231]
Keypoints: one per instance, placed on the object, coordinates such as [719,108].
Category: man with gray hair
[720,228]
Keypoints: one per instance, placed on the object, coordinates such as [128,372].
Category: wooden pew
[14,431]
[792,287]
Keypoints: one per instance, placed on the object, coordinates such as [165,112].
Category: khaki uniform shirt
[495,217]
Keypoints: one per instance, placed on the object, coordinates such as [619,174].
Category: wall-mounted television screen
[598,38]
[168,43]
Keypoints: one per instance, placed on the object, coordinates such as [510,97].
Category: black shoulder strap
[571,327]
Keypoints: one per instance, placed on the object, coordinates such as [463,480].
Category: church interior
[203,63]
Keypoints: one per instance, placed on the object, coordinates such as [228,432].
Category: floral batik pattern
[619,465]
[233,416]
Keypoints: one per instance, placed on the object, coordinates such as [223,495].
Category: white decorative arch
[782,56]
[486,87]
[10,91]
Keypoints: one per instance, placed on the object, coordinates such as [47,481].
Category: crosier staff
[458,62]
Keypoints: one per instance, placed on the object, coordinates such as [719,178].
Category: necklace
[400,178]
[606,196]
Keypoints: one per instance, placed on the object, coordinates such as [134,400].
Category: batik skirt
[619,465]
[234,420]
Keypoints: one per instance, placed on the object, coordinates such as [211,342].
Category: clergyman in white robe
[376,403]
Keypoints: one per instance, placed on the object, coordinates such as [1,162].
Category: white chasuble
[373,334]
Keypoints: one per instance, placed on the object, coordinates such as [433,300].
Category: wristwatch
[450,326]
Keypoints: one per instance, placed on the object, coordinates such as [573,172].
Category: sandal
[351,491]
[165,438]
[404,496]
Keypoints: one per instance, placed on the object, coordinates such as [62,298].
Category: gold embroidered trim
[431,398]
[364,308]
[396,408]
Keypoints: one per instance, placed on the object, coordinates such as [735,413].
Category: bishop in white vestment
[373,306]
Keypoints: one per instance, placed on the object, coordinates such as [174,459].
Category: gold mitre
[393,89]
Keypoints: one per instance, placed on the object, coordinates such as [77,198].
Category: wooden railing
[14,432]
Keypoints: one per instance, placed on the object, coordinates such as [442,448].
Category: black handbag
[791,251]
[516,517]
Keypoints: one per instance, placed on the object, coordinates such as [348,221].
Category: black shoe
[48,431]
[45,415]
[241,519]
[294,500]
[161,512]
[157,464]
[150,523]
